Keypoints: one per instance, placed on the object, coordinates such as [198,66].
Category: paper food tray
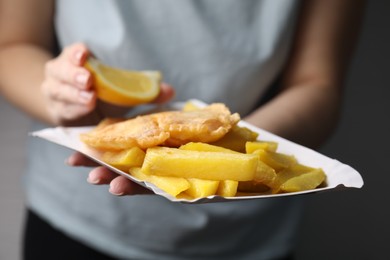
[338,175]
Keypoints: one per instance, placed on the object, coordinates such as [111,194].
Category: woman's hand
[67,86]
[119,185]
[69,93]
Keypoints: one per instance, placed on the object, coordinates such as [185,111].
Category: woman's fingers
[77,53]
[78,159]
[122,186]
[67,94]
[68,68]
[101,175]
[67,87]
[167,92]
[119,185]
[64,70]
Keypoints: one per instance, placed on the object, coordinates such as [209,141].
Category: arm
[307,108]
[56,90]
[25,45]
[47,88]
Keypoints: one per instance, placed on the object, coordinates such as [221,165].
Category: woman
[217,51]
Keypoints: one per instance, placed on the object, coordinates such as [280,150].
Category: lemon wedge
[123,87]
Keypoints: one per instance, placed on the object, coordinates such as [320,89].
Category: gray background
[349,224]
[354,224]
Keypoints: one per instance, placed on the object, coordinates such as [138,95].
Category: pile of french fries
[239,164]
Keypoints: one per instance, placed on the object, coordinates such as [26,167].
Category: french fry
[306,181]
[201,188]
[264,173]
[236,138]
[278,161]
[263,180]
[204,147]
[124,159]
[289,173]
[252,187]
[250,147]
[166,161]
[171,185]
[227,188]
[184,196]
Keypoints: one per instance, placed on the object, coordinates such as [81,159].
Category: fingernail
[82,78]
[85,96]
[93,180]
[116,193]
[78,55]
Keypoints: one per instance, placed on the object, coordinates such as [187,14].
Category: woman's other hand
[119,185]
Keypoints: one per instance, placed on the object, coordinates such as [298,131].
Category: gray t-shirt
[226,51]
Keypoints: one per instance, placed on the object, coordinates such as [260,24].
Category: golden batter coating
[141,131]
[171,128]
[108,121]
[204,125]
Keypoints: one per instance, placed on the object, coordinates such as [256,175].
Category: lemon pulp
[123,87]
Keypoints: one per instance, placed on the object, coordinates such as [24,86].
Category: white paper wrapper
[338,175]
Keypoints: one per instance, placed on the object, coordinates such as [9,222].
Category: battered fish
[204,125]
[171,128]
[141,131]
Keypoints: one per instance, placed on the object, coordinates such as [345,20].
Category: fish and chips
[171,128]
[198,152]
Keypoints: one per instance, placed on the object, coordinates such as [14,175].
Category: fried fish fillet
[171,128]
[141,131]
[108,121]
[203,125]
